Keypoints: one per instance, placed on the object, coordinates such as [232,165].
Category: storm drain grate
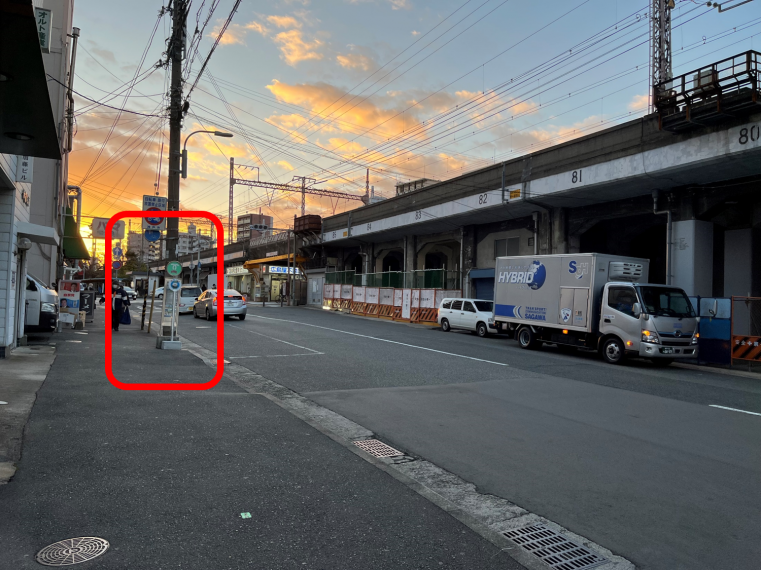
[377,448]
[72,551]
[555,549]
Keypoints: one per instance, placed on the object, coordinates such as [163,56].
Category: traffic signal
[259,227]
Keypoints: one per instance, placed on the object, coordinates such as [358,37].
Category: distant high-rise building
[245,221]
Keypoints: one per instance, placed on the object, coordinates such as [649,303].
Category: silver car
[208,303]
[188,296]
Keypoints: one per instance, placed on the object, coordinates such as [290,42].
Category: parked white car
[159,293]
[131,293]
[475,315]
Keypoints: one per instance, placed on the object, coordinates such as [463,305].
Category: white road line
[276,339]
[279,355]
[734,410]
[383,340]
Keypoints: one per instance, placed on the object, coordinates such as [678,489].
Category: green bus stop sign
[174,268]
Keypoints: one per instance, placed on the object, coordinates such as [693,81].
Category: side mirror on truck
[713,311]
[637,310]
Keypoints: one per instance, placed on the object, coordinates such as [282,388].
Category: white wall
[692,257]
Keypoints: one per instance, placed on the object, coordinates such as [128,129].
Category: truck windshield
[665,302]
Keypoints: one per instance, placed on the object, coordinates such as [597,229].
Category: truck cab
[653,321]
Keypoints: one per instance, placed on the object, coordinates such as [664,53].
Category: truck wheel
[613,351]
[481,330]
[527,338]
[445,325]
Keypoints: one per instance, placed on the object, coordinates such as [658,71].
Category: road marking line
[734,410]
[279,355]
[382,340]
[272,338]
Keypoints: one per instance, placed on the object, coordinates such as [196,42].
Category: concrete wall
[485,248]
[692,257]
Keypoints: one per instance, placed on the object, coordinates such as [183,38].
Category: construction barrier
[327,296]
[386,302]
[358,301]
[397,314]
[428,312]
[372,301]
[346,297]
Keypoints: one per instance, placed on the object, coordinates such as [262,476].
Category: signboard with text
[99,229]
[156,204]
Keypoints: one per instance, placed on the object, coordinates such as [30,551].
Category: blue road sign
[116,265]
[117,251]
[152,235]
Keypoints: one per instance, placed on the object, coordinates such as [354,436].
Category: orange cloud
[284,21]
[295,49]
[356,61]
[639,102]
[285,165]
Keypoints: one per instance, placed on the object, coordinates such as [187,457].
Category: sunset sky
[328,88]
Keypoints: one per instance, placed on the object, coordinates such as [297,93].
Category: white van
[41,306]
[475,315]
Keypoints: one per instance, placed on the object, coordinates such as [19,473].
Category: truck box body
[560,291]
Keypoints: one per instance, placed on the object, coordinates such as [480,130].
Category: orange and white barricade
[327,296]
[358,301]
[397,314]
[372,301]
[428,312]
[415,306]
[386,303]
[346,297]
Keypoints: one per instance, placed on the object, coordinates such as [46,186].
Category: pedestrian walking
[119,302]
[203,287]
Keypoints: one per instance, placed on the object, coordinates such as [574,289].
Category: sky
[329,88]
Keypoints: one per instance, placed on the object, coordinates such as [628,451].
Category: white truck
[594,301]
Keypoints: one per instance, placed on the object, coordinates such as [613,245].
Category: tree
[132,264]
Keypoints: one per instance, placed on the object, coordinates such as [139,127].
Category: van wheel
[481,330]
[613,351]
[242,317]
[195,314]
[527,338]
[445,325]
[208,315]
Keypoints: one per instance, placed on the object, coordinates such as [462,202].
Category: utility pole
[230,204]
[661,46]
[175,55]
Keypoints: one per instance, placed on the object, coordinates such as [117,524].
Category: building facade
[243,230]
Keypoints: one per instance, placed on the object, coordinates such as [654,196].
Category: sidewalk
[165,476]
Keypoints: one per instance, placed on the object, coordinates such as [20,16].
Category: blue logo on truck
[533,278]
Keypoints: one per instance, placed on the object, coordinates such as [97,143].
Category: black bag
[125,318]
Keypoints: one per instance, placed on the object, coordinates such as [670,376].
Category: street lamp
[184,167]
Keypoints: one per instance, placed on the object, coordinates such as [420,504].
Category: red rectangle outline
[220,322]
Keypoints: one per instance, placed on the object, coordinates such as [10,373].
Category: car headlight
[695,338]
[650,336]
[48,308]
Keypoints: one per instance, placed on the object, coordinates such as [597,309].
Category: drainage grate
[377,448]
[558,551]
[72,551]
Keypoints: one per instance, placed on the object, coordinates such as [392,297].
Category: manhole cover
[72,551]
[558,551]
[377,448]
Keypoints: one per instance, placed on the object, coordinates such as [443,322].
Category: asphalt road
[633,457]
[206,480]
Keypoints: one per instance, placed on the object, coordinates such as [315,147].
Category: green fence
[420,279]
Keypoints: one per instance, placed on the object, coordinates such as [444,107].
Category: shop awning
[272,260]
[73,244]
[27,125]
[37,233]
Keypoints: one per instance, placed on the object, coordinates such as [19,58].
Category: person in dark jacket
[119,302]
